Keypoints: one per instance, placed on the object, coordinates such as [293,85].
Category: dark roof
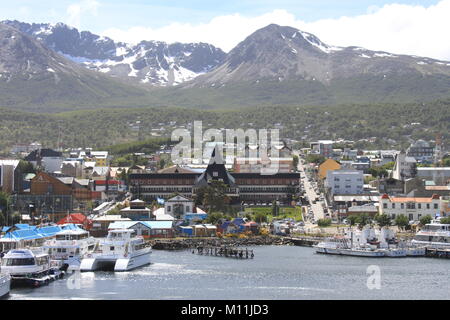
[42,153]
[215,171]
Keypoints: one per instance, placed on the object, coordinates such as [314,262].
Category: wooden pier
[437,253]
[227,252]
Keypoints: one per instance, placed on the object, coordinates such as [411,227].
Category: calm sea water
[275,273]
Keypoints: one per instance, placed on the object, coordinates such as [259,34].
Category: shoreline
[190,243]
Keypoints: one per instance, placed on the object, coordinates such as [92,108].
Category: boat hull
[5,286]
[116,264]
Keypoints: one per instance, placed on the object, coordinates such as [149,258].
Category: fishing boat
[120,251]
[69,246]
[434,234]
[30,267]
[5,285]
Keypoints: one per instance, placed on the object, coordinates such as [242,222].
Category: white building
[345,181]
[48,159]
[322,147]
[405,167]
[412,207]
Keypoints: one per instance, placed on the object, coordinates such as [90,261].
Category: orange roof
[329,164]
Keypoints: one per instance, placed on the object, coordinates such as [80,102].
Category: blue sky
[398,26]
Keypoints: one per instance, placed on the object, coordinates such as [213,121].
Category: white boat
[363,252]
[5,285]
[69,246]
[433,235]
[30,267]
[119,252]
[416,251]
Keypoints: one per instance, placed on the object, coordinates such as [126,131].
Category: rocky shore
[190,243]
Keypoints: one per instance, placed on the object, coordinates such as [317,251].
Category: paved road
[317,207]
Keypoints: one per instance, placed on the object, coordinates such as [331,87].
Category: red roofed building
[412,207]
[77,218]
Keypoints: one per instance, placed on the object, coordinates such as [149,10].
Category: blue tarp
[49,230]
[25,234]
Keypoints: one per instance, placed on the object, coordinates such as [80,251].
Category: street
[316,208]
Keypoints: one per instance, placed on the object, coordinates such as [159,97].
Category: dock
[227,252]
[443,253]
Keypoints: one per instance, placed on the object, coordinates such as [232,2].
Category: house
[326,166]
[322,147]
[146,229]
[137,211]
[412,207]
[404,168]
[76,218]
[48,159]
[251,226]
[421,151]
[178,206]
[204,230]
[48,195]
[9,176]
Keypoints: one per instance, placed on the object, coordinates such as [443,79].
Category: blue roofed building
[146,229]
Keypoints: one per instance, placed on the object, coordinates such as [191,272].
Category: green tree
[383,220]
[214,217]
[295,161]
[445,220]
[401,221]
[4,207]
[215,197]
[323,223]
[260,217]
[352,220]
[363,219]
[425,220]
[275,208]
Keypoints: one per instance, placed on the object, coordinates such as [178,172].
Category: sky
[399,26]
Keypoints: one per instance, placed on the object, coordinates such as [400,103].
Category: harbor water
[276,272]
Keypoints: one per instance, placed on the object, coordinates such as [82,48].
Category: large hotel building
[242,187]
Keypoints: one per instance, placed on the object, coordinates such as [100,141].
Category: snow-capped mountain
[285,53]
[152,62]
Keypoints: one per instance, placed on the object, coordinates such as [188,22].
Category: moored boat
[30,267]
[69,246]
[434,234]
[120,251]
[5,285]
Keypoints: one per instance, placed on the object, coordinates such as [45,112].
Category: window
[428,206]
[393,206]
[111,248]
[435,205]
[402,205]
[384,205]
[419,206]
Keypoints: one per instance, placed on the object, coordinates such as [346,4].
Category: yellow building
[329,164]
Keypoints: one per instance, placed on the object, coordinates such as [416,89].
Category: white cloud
[76,10]
[395,28]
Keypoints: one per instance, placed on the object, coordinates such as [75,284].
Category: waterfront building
[241,187]
[146,229]
[412,207]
